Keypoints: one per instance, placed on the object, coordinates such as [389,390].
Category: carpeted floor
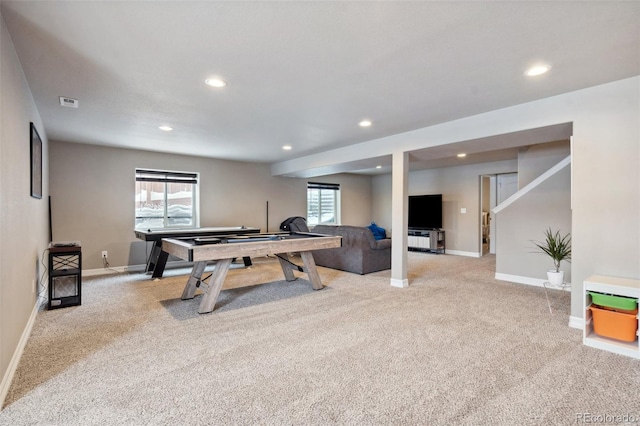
[456,347]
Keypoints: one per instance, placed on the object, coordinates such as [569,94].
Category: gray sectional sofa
[360,252]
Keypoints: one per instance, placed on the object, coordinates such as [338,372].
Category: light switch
[463,210]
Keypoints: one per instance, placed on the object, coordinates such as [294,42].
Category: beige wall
[460,188]
[92,191]
[23,219]
[606,184]
[548,205]
[537,159]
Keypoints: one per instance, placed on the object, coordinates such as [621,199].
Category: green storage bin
[616,302]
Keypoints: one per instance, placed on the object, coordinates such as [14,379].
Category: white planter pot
[555,278]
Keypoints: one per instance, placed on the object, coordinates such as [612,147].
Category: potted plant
[557,247]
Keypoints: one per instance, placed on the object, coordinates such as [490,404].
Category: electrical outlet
[104,254]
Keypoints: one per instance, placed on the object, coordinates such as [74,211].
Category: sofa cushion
[352,236]
[383,244]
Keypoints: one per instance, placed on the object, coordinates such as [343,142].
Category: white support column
[399,219]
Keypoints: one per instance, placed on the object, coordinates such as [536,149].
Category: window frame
[320,187]
[165,177]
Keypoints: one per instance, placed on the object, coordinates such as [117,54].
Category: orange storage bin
[616,325]
[624,311]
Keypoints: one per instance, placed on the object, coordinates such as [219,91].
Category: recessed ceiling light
[215,82]
[462,154]
[287,147]
[537,70]
[365,123]
[165,128]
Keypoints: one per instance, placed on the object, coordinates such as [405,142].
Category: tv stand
[431,240]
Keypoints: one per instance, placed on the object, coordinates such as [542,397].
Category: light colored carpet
[456,347]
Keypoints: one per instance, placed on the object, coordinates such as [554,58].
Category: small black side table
[65,274]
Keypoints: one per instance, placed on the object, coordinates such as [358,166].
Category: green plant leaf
[556,246]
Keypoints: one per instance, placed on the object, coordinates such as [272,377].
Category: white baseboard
[462,253]
[399,283]
[130,268]
[575,322]
[17,354]
[537,282]
[107,271]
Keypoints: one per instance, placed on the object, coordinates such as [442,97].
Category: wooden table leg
[192,283]
[311,270]
[286,266]
[215,285]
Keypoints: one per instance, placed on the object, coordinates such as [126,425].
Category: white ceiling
[303,73]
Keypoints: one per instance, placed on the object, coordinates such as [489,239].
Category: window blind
[165,177]
[318,185]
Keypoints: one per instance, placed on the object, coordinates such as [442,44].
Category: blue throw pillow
[378,233]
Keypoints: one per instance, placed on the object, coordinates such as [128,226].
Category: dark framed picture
[36,163]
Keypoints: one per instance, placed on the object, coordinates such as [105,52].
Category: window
[166,199]
[323,203]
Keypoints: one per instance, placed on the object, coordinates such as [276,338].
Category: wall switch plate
[463,210]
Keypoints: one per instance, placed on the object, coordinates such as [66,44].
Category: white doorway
[485,212]
[494,189]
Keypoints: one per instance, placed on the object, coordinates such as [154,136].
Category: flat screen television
[425,211]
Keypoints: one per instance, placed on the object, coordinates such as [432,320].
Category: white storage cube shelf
[615,286]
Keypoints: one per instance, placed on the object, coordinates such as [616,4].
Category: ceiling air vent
[68,102]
